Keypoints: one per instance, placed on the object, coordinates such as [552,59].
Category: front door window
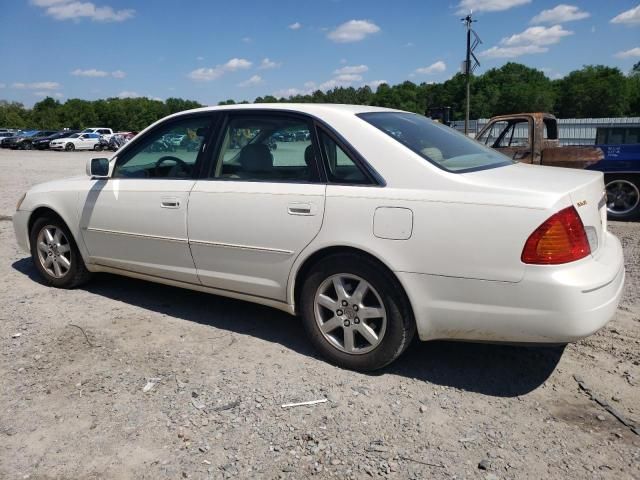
[168,152]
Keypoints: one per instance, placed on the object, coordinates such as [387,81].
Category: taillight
[561,239]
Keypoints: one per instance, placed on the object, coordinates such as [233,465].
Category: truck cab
[533,138]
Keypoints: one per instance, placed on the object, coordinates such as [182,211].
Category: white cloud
[560,14]
[94,73]
[512,52]
[267,64]
[465,6]
[247,39]
[128,94]
[288,92]
[76,10]
[48,94]
[252,82]
[295,26]
[437,67]
[3,85]
[199,59]
[353,31]
[351,69]
[537,36]
[374,84]
[206,74]
[339,80]
[632,53]
[629,17]
[212,73]
[236,64]
[37,85]
[89,73]
[532,40]
[348,78]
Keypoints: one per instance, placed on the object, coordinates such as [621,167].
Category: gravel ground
[217,372]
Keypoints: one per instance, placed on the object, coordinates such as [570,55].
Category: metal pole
[468,73]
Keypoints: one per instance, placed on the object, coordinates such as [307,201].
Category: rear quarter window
[440,145]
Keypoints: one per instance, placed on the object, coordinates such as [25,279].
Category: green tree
[593,91]
[45,114]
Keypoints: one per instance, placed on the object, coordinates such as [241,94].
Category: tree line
[593,91]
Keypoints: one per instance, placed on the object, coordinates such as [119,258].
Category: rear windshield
[443,146]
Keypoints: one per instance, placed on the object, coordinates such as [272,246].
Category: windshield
[443,146]
[75,135]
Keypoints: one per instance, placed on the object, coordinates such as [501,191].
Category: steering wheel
[169,158]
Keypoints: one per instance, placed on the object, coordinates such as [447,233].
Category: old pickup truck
[533,138]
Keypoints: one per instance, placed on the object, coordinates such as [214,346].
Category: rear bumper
[551,304]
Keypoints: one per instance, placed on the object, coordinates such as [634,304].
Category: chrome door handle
[170,203]
[301,209]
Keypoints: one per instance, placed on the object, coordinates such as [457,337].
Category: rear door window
[267,148]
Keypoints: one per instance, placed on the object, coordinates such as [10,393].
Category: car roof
[308,108]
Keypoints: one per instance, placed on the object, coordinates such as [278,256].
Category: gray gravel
[216,372]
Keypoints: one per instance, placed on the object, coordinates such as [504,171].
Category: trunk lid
[548,185]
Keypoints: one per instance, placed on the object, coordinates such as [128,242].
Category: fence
[572,131]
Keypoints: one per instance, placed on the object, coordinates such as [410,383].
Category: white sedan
[379,226]
[77,141]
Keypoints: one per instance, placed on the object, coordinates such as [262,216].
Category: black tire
[400,328]
[623,196]
[69,147]
[97,147]
[28,146]
[77,274]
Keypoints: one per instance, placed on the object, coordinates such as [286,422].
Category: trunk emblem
[582,203]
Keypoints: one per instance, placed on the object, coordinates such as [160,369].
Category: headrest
[309,156]
[256,157]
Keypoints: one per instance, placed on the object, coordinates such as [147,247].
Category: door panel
[126,224]
[244,236]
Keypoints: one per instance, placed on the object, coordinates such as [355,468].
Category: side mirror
[98,167]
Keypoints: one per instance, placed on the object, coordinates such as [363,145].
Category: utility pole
[468,67]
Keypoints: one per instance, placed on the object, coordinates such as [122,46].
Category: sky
[210,50]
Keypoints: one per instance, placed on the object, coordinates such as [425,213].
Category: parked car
[369,236]
[14,141]
[42,143]
[301,135]
[107,133]
[5,135]
[533,138]
[284,137]
[27,142]
[77,141]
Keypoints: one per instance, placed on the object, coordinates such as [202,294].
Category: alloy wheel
[622,197]
[350,313]
[54,251]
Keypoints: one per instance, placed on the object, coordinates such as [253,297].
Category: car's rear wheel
[623,196]
[28,146]
[69,147]
[355,312]
[55,253]
[97,147]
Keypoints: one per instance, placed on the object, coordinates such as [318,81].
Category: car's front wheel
[55,254]
[355,312]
